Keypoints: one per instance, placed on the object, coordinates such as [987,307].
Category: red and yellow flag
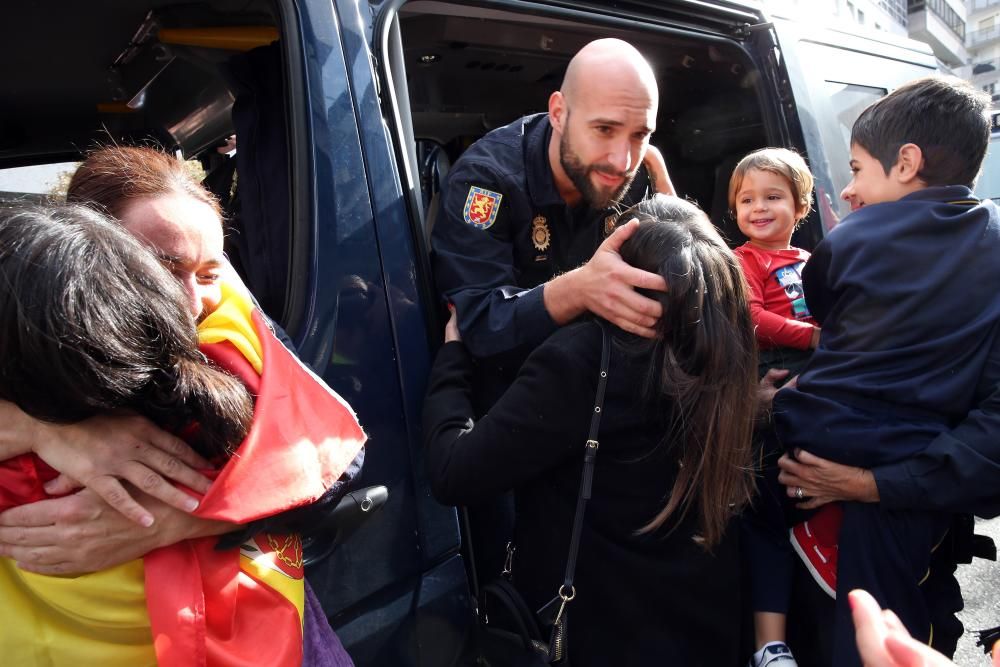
[205,607]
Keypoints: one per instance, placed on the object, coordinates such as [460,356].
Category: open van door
[831,76]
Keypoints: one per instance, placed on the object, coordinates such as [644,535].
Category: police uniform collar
[541,183]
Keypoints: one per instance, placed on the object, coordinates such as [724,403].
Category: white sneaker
[774,654]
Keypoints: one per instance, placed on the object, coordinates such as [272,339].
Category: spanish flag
[202,607]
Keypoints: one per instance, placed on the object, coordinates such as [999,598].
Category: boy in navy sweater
[905,289]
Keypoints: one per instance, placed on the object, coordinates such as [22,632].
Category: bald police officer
[525,241]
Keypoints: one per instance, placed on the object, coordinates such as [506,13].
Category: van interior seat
[434,166]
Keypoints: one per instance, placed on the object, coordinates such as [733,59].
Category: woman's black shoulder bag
[512,631]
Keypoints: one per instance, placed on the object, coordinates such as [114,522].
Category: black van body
[346,125]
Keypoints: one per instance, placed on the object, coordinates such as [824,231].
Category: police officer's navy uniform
[504,230]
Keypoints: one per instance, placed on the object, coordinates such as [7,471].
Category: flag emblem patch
[481,207]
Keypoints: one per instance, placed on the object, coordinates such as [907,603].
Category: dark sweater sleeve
[960,470]
[540,421]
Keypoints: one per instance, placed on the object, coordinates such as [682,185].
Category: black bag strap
[566,591]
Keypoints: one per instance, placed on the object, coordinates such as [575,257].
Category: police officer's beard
[579,175]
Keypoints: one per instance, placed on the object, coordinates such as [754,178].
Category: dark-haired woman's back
[640,597]
[657,573]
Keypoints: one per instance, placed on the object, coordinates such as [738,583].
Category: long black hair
[704,360]
[91,322]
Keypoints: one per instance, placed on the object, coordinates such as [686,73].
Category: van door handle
[354,509]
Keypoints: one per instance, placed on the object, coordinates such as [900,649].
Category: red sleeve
[772,329]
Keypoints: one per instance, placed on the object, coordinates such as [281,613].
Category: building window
[896,9]
[942,10]
[850,9]
[861,17]
[990,88]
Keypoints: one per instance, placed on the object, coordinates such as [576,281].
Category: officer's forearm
[562,297]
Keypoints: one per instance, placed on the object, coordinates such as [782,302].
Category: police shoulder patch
[481,207]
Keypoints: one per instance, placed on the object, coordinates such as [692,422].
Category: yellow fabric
[93,619]
[261,567]
[231,322]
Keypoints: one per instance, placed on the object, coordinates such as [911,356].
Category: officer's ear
[557,111]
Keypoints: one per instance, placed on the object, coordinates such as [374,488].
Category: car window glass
[846,101]
[36,182]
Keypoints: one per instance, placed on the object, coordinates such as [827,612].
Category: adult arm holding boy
[957,472]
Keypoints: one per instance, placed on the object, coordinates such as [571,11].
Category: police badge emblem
[609,225]
[540,235]
[481,207]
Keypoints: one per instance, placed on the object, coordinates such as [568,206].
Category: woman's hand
[102,452]
[81,533]
[824,481]
[451,328]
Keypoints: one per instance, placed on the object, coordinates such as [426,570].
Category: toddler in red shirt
[770,192]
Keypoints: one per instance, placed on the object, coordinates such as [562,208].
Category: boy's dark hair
[91,322]
[946,117]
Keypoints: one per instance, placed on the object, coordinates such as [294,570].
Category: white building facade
[939,23]
[983,42]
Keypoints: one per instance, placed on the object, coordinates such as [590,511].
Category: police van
[348,114]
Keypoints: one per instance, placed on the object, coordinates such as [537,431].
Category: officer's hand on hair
[656,169]
[606,286]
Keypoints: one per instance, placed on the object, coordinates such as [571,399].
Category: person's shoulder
[747,251]
[575,343]
[751,259]
[798,253]
[499,153]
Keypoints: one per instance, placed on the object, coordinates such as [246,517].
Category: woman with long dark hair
[90,322]
[657,570]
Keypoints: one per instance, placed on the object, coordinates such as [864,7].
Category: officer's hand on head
[609,283]
[656,169]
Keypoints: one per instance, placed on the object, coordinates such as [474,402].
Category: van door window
[39,183]
[846,101]
[834,75]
